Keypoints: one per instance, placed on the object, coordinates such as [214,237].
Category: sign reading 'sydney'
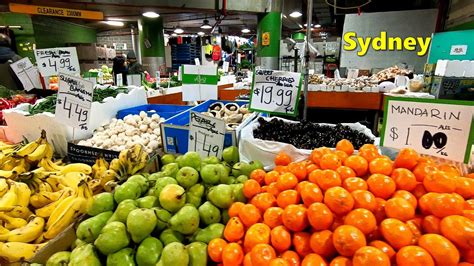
[275,92]
[441,128]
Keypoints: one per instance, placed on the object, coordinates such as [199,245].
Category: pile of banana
[40,198]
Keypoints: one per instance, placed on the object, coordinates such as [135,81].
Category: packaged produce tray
[175,130]
[22,125]
[251,148]
[163,110]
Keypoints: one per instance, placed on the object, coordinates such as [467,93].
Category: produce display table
[345,100]
[175,96]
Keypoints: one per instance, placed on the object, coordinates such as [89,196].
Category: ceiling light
[174,34]
[178,30]
[307,24]
[295,14]
[317,26]
[200,33]
[301,26]
[245,30]
[166,35]
[114,23]
[206,25]
[151,14]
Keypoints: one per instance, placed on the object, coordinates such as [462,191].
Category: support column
[152,44]
[268,52]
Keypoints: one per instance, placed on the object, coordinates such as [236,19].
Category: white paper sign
[458,50]
[225,66]
[206,135]
[134,80]
[119,80]
[54,60]
[74,101]
[434,127]
[199,83]
[157,76]
[352,73]
[27,74]
[197,62]
[275,91]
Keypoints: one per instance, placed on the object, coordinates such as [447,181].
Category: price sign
[275,92]
[54,60]
[458,50]
[441,128]
[74,101]
[119,80]
[27,74]
[206,135]
[134,80]
[225,66]
[199,82]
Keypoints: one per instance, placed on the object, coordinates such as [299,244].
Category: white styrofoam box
[366,89]
[454,69]
[374,89]
[468,68]
[441,67]
[312,87]
[229,79]
[323,87]
[344,88]
[22,125]
[352,89]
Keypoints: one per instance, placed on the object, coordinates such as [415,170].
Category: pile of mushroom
[231,113]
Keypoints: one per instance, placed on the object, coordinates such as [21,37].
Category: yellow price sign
[266,38]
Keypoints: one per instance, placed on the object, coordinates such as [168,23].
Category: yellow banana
[65,218]
[49,165]
[40,239]
[46,187]
[10,198]
[3,186]
[117,166]
[11,222]
[7,173]
[3,230]
[38,154]
[109,175]
[27,233]
[60,208]
[53,181]
[43,198]
[18,251]
[76,167]
[17,212]
[72,179]
[28,148]
[47,210]
[23,193]
[49,151]
[95,185]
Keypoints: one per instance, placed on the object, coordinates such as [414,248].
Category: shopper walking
[7,55]
[133,66]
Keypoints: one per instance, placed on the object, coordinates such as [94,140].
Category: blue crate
[163,110]
[175,130]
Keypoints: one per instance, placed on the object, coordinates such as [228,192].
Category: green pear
[128,190]
[77,243]
[221,196]
[241,179]
[148,202]
[84,255]
[167,159]
[211,160]
[186,220]
[141,180]
[194,195]
[187,177]
[210,174]
[123,257]
[123,209]
[59,259]
[238,192]
[140,223]
[231,155]
[162,218]
[88,230]
[170,169]
[112,238]
[210,232]
[102,202]
[237,168]
[169,236]
[191,159]
[224,177]
[155,176]
[197,254]
[209,213]
[175,254]
[246,169]
[149,252]
[172,197]
[160,184]
[178,159]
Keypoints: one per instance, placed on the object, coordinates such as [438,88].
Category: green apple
[231,155]
[167,159]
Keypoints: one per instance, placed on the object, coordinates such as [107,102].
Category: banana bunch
[130,161]
[18,251]
[36,150]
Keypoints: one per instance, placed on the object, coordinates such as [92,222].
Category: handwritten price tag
[54,60]
[27,74]
[74,101]
[206,135]
[275,92]
[440,128]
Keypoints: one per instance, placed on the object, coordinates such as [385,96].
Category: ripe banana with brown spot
[27,233]
[17,211]
[18,251]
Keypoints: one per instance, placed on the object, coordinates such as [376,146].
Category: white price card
[27,74]
[206,135]
[441,128]
[74,101]
[225,66]
[119,80]
[134,80]
[54,60]
[199,82]
[458,50]
[352,73]
[197,62]
[275,92]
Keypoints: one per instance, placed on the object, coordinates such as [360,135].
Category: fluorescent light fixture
[200,33]
[295,14]
[166,35]
[284,15]
[206,25]
[151,14]
[306,24]
[317,26]
[301,26]
[178,30]
[114,23]
[245,30]
[174,34]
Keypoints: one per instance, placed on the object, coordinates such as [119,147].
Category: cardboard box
[429,69]
[453,88]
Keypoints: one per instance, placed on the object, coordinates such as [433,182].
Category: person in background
[7,55]
[120,67]
[133,66]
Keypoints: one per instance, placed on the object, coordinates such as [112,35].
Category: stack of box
[454,79]
[428,73]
